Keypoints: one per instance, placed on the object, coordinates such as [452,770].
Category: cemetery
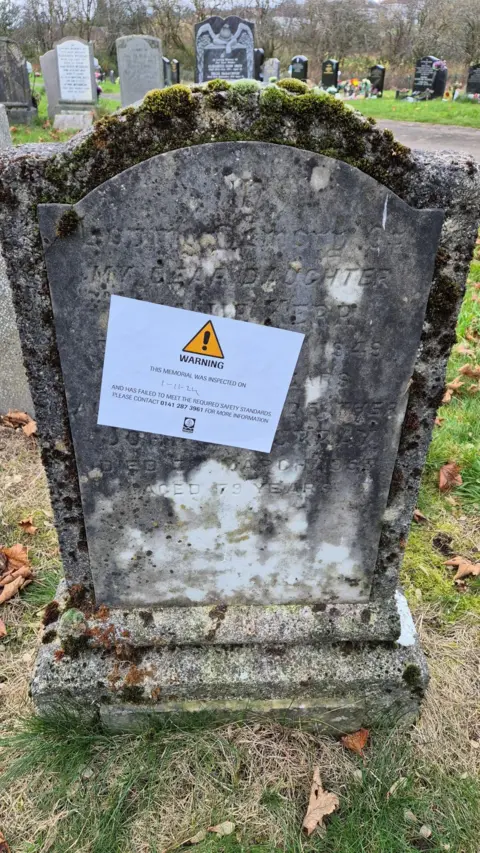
[239,475]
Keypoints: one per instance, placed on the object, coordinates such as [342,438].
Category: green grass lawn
[432,112]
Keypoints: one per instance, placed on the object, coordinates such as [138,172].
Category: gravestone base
[295,661]
[74,119]
[21,114]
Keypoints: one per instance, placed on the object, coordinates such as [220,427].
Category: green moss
[218,86]
[245,87]
[171,102]
[292,85]
[412,675]
[67,223]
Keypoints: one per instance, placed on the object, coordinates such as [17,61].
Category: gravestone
[15,91]
[175,71]
[473,80]
[271,68]
[377,79]
[330,70]
[246,454]
[49,68]
[224,49]
[14,390]
[258,60]
[167,71]
[140,66]
[430,77]
[299,66]
[76,82]
[5,138]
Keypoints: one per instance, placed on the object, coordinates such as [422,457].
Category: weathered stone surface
[49,66]
[140,66]
[73,121]
[14,83]
[224,47]
[271,68]
[168,520]
[14,390]
[5,138]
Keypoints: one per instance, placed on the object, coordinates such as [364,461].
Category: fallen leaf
[320,804]
[4,848]
[472,337]
[12,588]
[15,571]
[197,838]
[356,741]
[447,396]
[27,525]
[449,477]
[468,370]
[455,384]
[30,428]
[3,630]
[409,816]
[465,567]
[14,419]
[225,828]
[400,783]
[17,556]
[425,831]
[419,517]
[464,349]
[439,421]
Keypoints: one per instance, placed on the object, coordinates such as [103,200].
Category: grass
[431,112]
[70,785]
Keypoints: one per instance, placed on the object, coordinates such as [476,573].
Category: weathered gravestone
[271,68]
[377,79]
[49,67]
[430,77]
[140,66]
[15,91]
[76,83]
[299,66]
[224,49]
[330,69]
[5,138]
[175,71]
[230,577]
[258,60]
[473,80]
[167,71]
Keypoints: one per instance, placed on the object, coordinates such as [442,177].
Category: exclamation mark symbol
[206,338]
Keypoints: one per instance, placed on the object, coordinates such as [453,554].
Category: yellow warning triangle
[205,342]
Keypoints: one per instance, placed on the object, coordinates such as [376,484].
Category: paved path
[436,137]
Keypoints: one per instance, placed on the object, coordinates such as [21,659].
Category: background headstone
[299,66]
[140,66]
[5,138]
[428,76]
[76,75]
[377,79]
[473,81]
[258,60]
[15,90]
[49,68]
[271,68]
[167,71]
[224,47]
[175,71]
[14,390]
[330,73]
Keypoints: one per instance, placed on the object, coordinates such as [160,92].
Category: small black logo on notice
[188,424]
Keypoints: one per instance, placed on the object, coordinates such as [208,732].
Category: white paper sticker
[190,375]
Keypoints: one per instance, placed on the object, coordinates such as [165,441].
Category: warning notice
[181,373]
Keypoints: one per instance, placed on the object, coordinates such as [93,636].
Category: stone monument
[430,77]
[76,83]
[5,138]
[207,567]
[330,70]
[377,79]
[271,68]
[15,91]
[299,66]
[49,67]
[224,47]
[140,66]
[473,81]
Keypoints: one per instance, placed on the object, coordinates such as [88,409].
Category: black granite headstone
[330,73]
[299,66]
[175,71]
[473,81]
[259,59]
[430,75]
[14,83]
[224,48]
[167,71]
[377,79]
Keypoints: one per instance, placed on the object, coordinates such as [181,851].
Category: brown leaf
[468,370]
[455,384]
[356,741]
[30,428]
[27,525]
[320,804]
[17,556]
[419,517]
[464,349]
[3,629]
[225,828]
[21,572]
[15,419]
[447,396]
[4,848]
[439,421]
[472,337]
[465,567]
[449,477]
[12,588]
